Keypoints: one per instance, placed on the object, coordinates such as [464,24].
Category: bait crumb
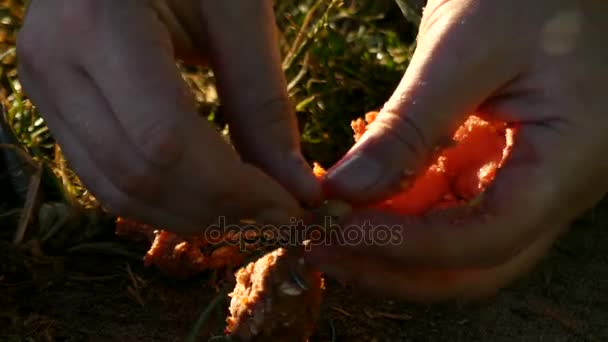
[276,298]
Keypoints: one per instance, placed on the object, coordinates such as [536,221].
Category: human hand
[538,65]
[103,75]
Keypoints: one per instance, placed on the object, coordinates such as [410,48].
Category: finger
[426,285]
[184,26]
[243,45]
[157,150]
[91,122]
[81,155]
[105,189]
[449,76]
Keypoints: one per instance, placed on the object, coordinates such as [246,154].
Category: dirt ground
[94,297]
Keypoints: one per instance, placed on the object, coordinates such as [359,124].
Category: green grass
[348,65]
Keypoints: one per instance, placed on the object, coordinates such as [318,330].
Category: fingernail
[309,184]
[357,173]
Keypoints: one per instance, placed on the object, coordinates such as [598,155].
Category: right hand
[103,75]
[536,65]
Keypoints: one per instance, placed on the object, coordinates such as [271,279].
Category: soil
[94,297]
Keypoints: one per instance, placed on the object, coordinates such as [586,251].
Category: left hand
[534,64]
[126,121]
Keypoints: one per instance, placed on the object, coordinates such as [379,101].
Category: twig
[21,152]
[86,278]
[56,222]
[26,215]
[301,33]
[569,323]
[342,311]
[134,289]
[10,213]
[314,31]
[7,53]
[409,11]
[294,82]
[134,279]
[135,294]
[540,306]
[202,319]
[398,317]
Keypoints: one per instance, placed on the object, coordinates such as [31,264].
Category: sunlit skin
[126,122]
[534,64]
[103,75]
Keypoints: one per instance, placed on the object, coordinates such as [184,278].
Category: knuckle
[273,112]
[272,116]
[81,17]
[229,200]
[405,131]
[143,184]
[225,200]
[162,144]
[272,124]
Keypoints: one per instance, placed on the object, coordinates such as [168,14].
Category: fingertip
[306,186]
[355,173]
[361,178]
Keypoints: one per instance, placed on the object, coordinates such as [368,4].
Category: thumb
[449,76]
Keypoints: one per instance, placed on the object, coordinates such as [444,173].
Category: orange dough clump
[277,298]
[472,162]
[459,174]
[178,256]
[359,126]
[426,192]
[318,170]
